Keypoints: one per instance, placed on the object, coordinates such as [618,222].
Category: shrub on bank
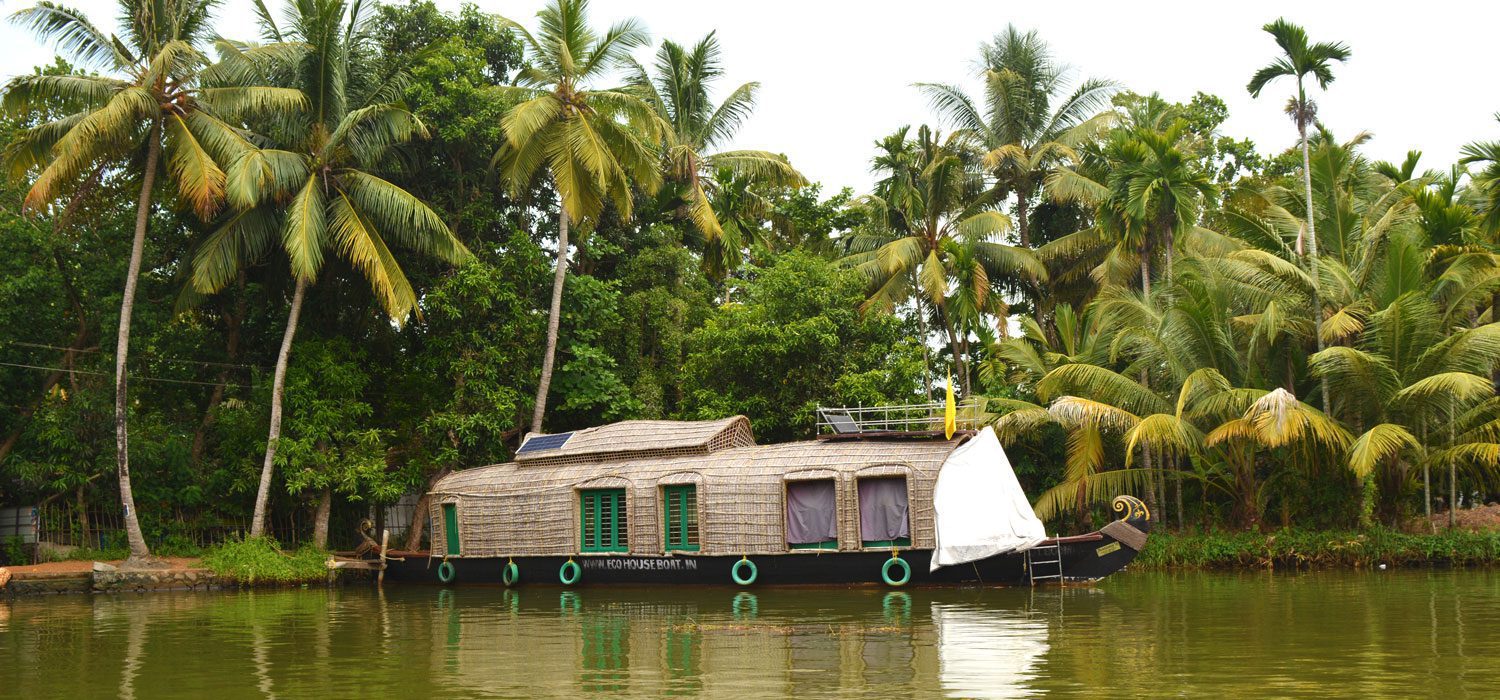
[261,560]
[1313,549]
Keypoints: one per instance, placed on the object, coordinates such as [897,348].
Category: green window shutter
[603,520]
[680,517]
[450,527]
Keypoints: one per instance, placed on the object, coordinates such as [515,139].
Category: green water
[1392,634]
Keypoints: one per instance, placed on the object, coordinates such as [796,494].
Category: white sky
[837,75]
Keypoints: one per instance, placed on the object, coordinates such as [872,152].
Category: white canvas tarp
[980,508]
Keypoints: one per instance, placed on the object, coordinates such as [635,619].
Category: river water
[1391,634]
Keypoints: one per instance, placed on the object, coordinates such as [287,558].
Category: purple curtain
[882,510]
[811,512]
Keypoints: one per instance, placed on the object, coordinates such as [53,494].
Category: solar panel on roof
[545,442]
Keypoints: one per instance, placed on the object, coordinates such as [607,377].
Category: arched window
[812,511]
[884,506]
[679,508]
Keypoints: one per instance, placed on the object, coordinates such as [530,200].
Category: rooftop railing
[908,418]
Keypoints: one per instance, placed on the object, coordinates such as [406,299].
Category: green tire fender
[744,580]
[569,572]
[895,562]
[510,573]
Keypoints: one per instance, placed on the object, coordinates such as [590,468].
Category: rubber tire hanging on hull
[734,572]
[885,571]
[562,573]
[446,573]
[510,574]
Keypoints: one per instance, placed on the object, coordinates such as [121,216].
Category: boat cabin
[654,487]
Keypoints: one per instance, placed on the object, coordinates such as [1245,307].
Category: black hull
[1084,558]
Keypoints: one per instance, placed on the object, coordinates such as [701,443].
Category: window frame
[859,506]
[617,500]
[826,545]
[668,491]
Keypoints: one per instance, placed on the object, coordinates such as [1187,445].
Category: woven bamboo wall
[522,509]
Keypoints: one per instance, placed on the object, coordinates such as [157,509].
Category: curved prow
[1133,525]
[1133,511]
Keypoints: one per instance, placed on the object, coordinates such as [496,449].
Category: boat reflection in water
[802,643]
[988,653]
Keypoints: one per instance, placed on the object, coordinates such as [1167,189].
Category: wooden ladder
[1044,562]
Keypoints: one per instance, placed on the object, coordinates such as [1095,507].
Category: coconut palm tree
[1027,123]
[1146,190]
[1426,396]
[1485,186]
[680,96]
[593,143]
[159,93]
[945,217]
[317,192]
[1300,60]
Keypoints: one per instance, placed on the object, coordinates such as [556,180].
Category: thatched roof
[639,437]
[530,507]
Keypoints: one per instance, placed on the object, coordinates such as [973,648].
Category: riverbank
[259,563]
[1307,549]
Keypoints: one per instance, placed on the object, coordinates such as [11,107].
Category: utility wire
[161,359]
[111,374]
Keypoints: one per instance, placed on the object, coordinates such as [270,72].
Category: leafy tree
[317,192]
[796,340]
[167,97]
[329,445]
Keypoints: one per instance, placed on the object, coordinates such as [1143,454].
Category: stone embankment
[99,577]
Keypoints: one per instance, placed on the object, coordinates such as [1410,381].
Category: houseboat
[874,499]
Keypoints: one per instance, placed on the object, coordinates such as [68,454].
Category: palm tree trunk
[1177,483]
[140,554]
[926,350]
[420,514]
[554,312]
[1150,495]
[1145,274]
[1023,222]
[1427,493]
[1452,494]
[958,358]
[320,519]
[1452,473]
[1495,318]
[1312,253]
[278,386]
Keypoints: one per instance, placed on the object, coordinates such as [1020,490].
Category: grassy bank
[1293,549]
[260,560]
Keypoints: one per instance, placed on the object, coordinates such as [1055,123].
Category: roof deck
[921,420]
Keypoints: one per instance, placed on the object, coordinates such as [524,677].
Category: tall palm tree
[943,218]
[680,96]
[1301,59]
[1486,186]
[317,193]
[1027,124]
[593,143]
[159,93]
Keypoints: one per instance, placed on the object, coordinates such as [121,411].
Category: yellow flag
[950,413]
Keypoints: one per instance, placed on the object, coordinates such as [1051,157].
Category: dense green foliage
[259,560]
[1308,549]
[1131,291]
